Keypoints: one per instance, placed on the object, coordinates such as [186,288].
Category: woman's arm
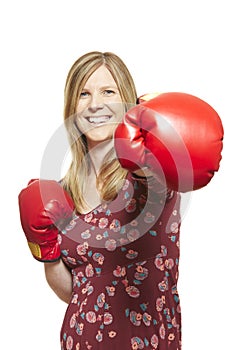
[59,279]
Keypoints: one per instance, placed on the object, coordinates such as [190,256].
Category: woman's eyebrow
[109,87]
[102,87]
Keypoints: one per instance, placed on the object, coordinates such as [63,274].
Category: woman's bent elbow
[59,279]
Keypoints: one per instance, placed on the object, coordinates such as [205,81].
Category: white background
[168,46]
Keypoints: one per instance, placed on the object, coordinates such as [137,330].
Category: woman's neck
[97,153]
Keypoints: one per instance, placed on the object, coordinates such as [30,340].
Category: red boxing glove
[45,208]
[176,135]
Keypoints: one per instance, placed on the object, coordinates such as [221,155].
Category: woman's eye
[84,94]
[109,92]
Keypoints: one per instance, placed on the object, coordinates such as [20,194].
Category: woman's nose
[97,101]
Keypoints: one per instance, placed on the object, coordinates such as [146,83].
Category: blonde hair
[111,173]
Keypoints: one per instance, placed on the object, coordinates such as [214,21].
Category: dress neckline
[104,205]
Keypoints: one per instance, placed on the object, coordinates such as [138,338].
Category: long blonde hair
[111,173]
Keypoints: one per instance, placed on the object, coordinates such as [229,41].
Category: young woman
[109,237]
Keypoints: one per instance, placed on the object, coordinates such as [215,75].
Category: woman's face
[99,108]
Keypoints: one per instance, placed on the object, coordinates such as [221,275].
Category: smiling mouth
[99,120]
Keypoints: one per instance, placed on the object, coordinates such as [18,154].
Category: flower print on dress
[91,317]
[111,244]
[153,233]
[103,222]
[99,336]
[163,286]
[163,250]
[78,278]
[149,218]
[164,265]
[99,258]
[83,303]
[115,225]
[70,261]
[126,195]
[74,299]
[142,200]
[131,205]
[82,248]
[89,270]
[86,234]
[162,331]
[79,328]
[125,185]
[175,324]
[105,234]
[99,237]
[73,321]
[135,318]
[160,302]
[169,263]
[132,291]
[174,227]
[159,261]
[134,223]
[69,343]
[70,226]
[100,209]
[108,318]
[141,273]
[168,314]
[131,254]
[110,290]
[119,271]
[59,238]
[154,341]
[112,334]
[133,235]
[77,346]
[88,289]
[137,343]
[146,319]
[101,299]
[88,217]
[108,212]
[65,252]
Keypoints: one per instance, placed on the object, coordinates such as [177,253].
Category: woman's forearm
[59,279]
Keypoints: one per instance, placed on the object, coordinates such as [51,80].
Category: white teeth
[98,120]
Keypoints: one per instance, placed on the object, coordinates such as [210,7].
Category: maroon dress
[124,259]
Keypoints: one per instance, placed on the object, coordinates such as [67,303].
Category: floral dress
[124,258]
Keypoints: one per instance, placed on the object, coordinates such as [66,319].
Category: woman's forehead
[100,77]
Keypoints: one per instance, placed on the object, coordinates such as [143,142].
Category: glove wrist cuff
[45,253]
